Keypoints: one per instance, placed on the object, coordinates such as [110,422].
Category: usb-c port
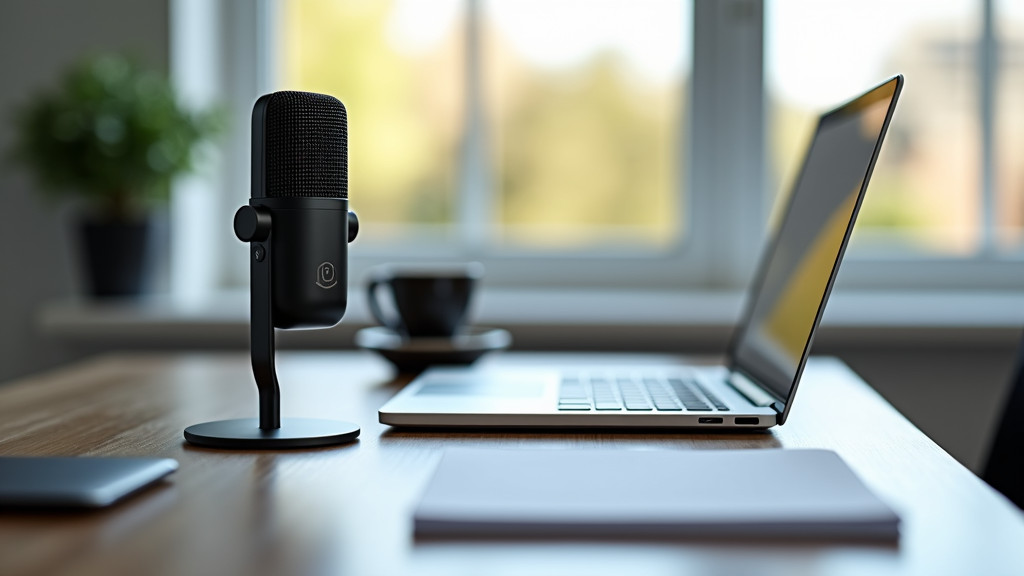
[747,420]
[709,420]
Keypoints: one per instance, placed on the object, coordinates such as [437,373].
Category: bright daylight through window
[945,184]
[504,125]
[565,143]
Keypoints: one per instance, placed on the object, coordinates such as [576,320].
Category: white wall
[38,38]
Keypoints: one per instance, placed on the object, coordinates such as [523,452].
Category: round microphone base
[245,434]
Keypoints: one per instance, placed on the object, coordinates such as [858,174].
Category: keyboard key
[661,395]
[687,395]
[573,391]
[718,404]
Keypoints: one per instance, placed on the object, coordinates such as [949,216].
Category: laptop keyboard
[647,394]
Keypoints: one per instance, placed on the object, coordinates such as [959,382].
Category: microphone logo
[325,276]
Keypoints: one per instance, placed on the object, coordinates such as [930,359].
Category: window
[491,129]
[641,143]
[923,195]
[398,67]
[584,122]
[947,187]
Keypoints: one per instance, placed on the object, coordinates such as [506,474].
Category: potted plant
[113,135]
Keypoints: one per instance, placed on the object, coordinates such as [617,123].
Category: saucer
[417,354]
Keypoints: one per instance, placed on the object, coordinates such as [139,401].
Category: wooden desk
[348,510]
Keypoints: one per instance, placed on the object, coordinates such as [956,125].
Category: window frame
[725,208]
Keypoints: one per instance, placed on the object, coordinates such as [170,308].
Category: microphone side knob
[252,224]
[353,226]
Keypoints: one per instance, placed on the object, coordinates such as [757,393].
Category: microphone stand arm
[253,225]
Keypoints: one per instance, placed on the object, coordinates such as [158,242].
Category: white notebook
[650,493]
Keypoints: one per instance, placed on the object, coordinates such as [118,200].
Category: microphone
[300,180]
[298,227]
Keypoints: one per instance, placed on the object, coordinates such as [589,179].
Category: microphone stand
[253,225]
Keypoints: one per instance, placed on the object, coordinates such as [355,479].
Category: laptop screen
[797,272]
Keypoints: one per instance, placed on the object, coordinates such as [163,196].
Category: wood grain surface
[348,510]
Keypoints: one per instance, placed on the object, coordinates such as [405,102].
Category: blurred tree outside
[587,152]
[589,158]
[404,106]
[583,156]
[926,193]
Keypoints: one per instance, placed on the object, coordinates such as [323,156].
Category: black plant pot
[116,257]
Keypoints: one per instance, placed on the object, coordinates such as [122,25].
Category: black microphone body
[300,177]
[309,275]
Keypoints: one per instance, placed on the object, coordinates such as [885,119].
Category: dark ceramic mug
[431,301]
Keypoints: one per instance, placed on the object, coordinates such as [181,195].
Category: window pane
[398,67]
[585,104]
[925,193]
[1009,123]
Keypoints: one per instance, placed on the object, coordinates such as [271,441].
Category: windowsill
[564,319]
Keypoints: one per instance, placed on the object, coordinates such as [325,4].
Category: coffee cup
[430,301]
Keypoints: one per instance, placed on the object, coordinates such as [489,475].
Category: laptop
[755,387]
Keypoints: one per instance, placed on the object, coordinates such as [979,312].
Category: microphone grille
[306,146]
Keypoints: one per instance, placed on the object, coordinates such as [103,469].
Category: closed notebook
[657,493]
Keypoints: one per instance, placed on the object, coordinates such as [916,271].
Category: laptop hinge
[751,391]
